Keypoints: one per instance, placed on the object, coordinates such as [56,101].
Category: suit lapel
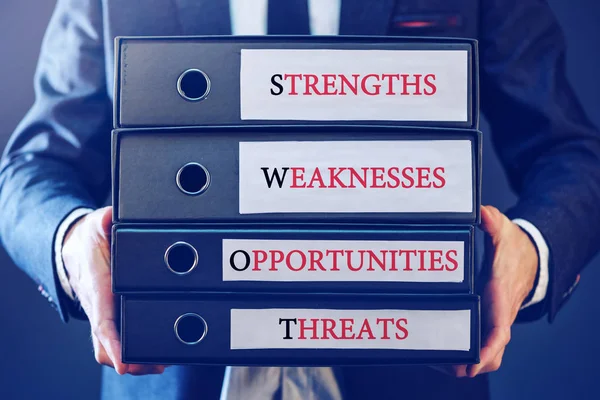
[203,17]
[362,17]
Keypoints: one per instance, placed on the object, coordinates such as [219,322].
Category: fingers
[457,371]
[100,354]
[140,369]
[496,363]
[492,220]
[103,320]
[87,252]
[106,333]
[107,350]
[103,358]
[493,366]
[492,225]
[497,317]
[491,357]
[491,354]
[507,277]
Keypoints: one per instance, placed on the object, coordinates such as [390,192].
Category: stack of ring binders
[296,200]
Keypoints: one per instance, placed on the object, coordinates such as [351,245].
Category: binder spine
[333,258]
[310,330]
[296,80]
[297,174]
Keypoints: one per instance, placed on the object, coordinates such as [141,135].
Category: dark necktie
[288,17]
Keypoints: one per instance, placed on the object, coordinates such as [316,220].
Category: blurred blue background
[42,358]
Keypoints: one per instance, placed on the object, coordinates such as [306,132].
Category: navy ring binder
[292,329]
[303,79]
[297,174]
[301,259]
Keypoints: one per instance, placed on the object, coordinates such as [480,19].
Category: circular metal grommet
[193,85]
[181,258]
[187,327]
[192,179]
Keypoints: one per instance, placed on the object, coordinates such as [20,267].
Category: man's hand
[86,255]
[508,275]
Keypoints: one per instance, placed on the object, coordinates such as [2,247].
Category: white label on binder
[342,261]
[356,176]
[354,85]
[284,328]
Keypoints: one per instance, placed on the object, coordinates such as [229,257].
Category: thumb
[106,220]
[492,221]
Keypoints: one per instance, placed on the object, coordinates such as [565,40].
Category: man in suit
[55,173]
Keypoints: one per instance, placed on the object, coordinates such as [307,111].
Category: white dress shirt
[258,383]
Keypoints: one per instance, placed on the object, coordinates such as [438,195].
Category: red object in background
[428,21]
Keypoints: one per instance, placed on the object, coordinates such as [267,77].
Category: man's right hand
[86,255]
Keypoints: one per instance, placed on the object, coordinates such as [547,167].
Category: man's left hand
[508,276]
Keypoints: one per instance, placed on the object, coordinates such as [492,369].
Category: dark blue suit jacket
[58,159]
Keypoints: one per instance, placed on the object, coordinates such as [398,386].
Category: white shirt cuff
[58,243]
[539,292]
